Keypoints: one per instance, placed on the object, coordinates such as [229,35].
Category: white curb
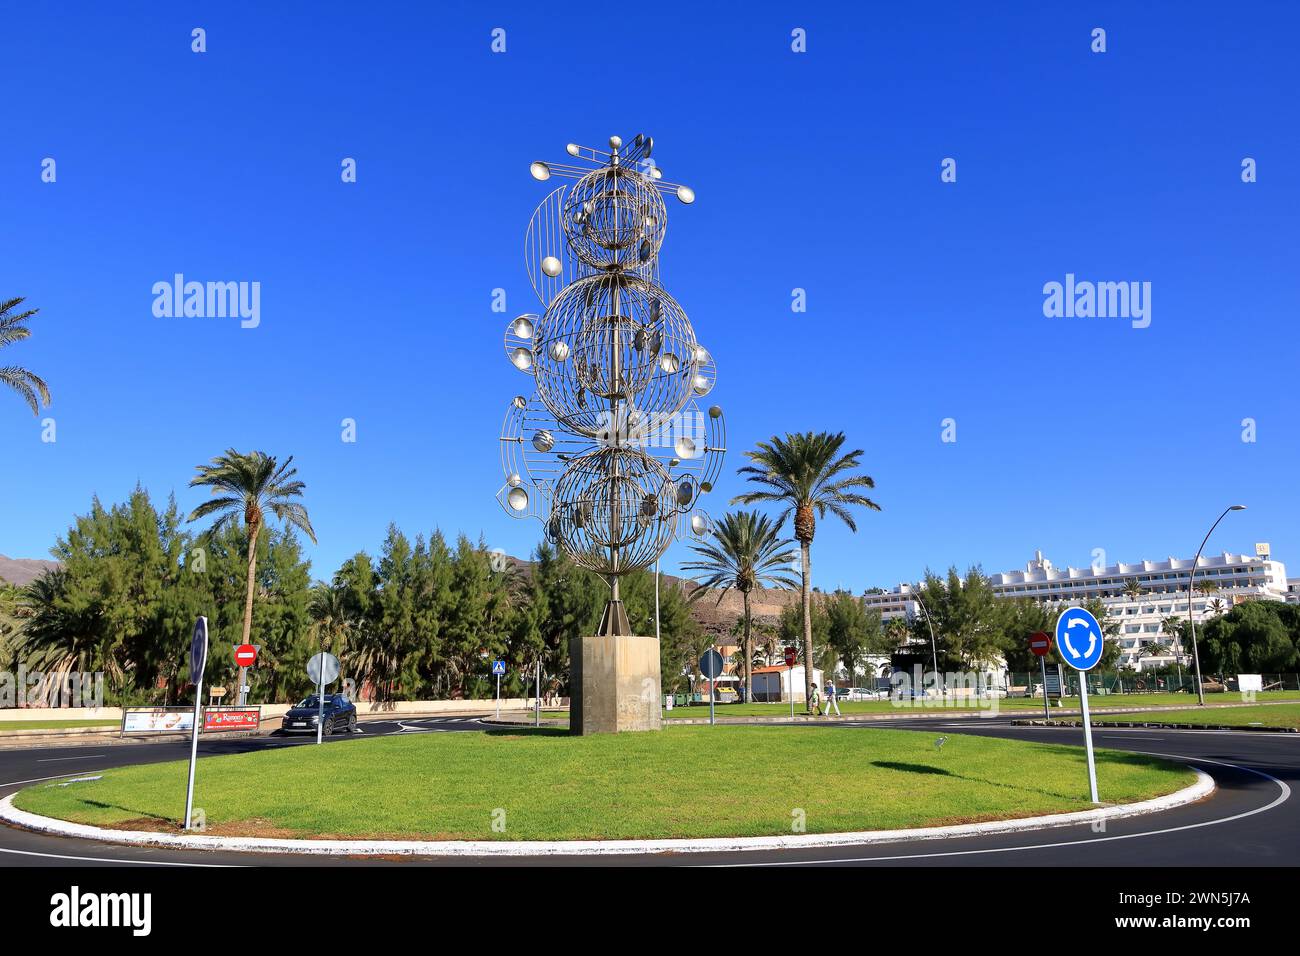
[1199,790]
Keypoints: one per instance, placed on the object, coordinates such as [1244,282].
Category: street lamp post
[1191,591]
[934,650]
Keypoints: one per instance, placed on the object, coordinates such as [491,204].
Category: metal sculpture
[611,452]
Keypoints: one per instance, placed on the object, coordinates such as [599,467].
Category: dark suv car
[340,714]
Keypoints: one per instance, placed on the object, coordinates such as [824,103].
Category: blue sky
[817,171]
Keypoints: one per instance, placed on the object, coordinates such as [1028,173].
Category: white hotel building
[1235,577]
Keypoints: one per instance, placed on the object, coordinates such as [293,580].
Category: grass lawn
[1095,701]
[1280,715]
[684,781]
[56,724]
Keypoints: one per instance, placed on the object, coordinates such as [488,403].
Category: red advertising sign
[231,718]
[790,656]
[245,655]
[1040,644]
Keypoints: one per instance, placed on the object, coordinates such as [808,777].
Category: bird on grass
[938,744]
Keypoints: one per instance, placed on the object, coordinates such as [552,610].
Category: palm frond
[29,386]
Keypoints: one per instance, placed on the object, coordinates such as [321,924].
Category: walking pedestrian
[831,701]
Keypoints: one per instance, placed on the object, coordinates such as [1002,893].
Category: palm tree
[59,637]
[1217,606]
[1154,649]
[746,551]
[1206,587]
[248,486]
[27,384]
[807,474]
[331,616]
[1132,589]
[897,631]
[1172,628]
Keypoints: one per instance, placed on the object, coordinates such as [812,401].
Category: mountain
[714,618]
[22,571]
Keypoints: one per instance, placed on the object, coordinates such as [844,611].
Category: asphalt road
[1252,820]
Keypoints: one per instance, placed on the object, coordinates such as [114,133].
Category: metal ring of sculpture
[614,219]
[614,510]
[603,317]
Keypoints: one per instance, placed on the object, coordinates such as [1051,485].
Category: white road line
[1281,798]
[414,730]
[114,862]
[56,776]
[93,859]
[1163,731]
[57,759]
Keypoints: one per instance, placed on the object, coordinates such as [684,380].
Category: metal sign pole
[1082,658]
[198,664]
[790,680]
[320,703]
[194,753]
[498,697]
[1042,662]
[713,687]
[1087,736]
[537,704]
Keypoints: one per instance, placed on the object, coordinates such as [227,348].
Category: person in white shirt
[831,701]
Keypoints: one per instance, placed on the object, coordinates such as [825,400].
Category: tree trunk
[805,560]
[252,571]
[749,655]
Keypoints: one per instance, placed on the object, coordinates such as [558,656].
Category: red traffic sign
[790,656]
[1040,643]
[245,655]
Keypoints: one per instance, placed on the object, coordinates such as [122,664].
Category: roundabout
[1245,816]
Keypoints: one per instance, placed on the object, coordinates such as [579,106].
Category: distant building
[1235,578]
[774,683]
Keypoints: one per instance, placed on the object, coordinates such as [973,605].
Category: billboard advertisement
[157,720]
[231,718]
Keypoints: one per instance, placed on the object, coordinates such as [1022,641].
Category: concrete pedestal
[614,685]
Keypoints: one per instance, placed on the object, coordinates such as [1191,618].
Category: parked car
[909,693]
[339,714]
[861,693]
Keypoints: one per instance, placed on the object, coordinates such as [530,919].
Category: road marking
[56,776]
[1281,798]
[104,859]
[92,859]
[57,759]
[415,730]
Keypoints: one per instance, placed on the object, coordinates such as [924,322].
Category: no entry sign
[1040,644]
[245,655]
[790,656]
